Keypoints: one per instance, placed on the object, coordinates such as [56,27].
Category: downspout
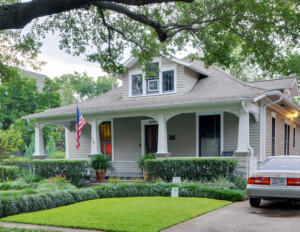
[263,108]
[248,132]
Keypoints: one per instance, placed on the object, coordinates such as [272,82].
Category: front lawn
[147,214]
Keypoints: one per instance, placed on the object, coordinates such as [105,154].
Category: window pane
[154,67]
[137,85]
[280,164]
[168,81]
[152,86]
[105,139]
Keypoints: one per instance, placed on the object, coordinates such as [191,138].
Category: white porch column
[67,143]
[243,135]
[95,138]
[39,152]
[162,143]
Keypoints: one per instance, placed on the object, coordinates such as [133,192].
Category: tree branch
[17,16]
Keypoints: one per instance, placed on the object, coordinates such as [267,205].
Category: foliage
[141,160]
[240,181]
[58,155]
[114,180]
[29,150]
[101,163]
[10,173]
[226,33]
[78,87]
[59,179]
[46,196]
[10,142]
[147,214]
[164,189]
[19,97]
[76,170]
[21,162]
[51,147]
[190,169]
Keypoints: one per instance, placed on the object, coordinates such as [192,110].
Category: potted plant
[101,164]
[141,162]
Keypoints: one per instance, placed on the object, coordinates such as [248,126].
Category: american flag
[80,123]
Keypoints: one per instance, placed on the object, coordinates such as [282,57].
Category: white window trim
[273,114]
[221,113]
[288,122]
[161,69]
[153,80]
[143,124]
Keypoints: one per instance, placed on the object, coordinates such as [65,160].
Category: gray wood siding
[254,136]
[231,128]
[85,142]
[183,126]
[190,79]
[279,134]
[127,138]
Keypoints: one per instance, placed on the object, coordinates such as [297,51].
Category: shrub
[194,169]
[21,162]
[51,146]
[164,189]
[141,160]
[29,150]
[59,179]
[31,203]
[75,170]
[10,172]
[58,155]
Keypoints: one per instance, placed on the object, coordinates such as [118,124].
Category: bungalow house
[185,110]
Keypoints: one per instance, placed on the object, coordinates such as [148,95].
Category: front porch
[210,131]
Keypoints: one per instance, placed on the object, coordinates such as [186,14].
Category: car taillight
[259,180]
[293,181]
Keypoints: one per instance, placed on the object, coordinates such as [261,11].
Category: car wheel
[254,202]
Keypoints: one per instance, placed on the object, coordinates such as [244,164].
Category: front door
[151,135]
[209,135]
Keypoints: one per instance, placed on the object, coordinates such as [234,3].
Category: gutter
[141,108]
[248,131]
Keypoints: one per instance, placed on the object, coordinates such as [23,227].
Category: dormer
[171,77]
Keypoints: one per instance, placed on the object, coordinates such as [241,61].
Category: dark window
[294,137]
[273,137]
[168,81]
[137,85]
[105,139]
[286,139]
[153,79]
[209,135]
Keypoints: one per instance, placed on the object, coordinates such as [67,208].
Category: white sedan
[278,178]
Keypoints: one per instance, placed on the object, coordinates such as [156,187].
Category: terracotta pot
[145,176]
[101,175]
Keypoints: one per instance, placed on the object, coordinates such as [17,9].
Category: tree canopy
[79,87]
[227,33]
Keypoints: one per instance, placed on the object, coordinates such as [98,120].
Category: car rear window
[280,164]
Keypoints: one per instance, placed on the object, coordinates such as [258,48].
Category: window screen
[137,85]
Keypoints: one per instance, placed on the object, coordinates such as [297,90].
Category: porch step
[126,175]
[106,181]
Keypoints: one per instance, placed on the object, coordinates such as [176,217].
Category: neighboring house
[185,111]
[40,78]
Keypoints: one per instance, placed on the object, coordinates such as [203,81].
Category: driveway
[240,217]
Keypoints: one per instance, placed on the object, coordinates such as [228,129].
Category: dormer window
[162,80]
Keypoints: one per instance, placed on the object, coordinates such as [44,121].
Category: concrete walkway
[46,228]
[240,217]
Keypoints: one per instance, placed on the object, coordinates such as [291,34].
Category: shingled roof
[218,86]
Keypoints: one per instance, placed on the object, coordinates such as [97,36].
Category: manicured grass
[147,214]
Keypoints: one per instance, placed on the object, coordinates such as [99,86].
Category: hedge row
[74,170]
[190,169]
[32,203]
[10,172]
[164,189]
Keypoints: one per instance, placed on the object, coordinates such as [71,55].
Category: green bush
[30,203]
[58,155]
[21,162]
[10,173]
[141,160]
[75,170]
[194,169]
[164,189]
